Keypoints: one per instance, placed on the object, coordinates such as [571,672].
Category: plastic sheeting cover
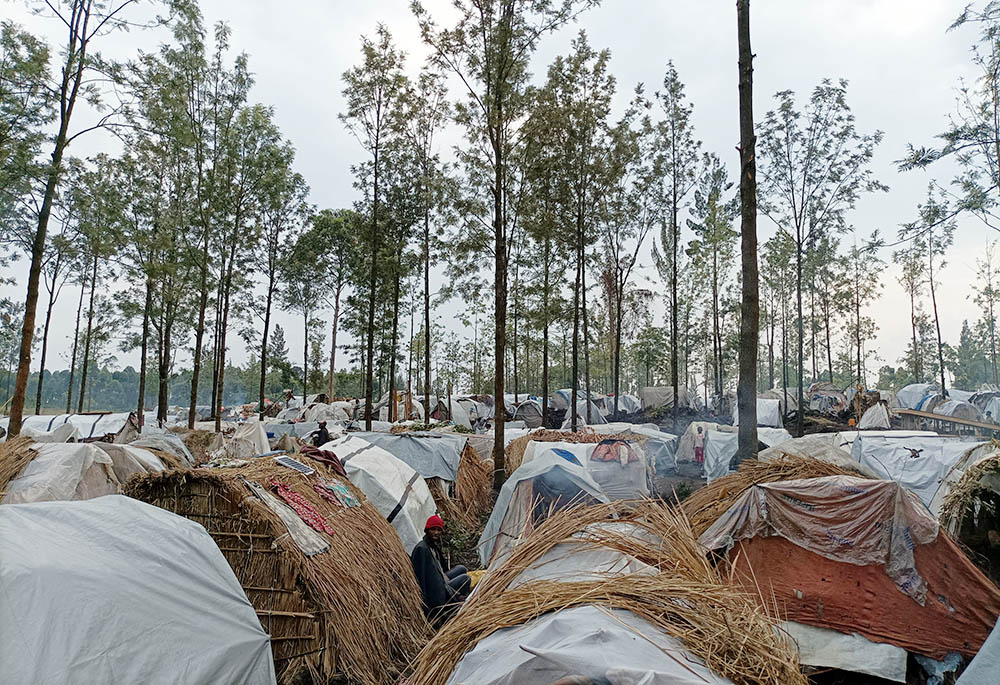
[432,455]
[151,597]
[167,442]
[875,417]
[395,489]
[616,480]
[64,433]
[909,397]
[127,461]
[768,413]
[596,417]
[606,645]
[513,505]
[985,665]
[917,463]
[721,447]
[843,518]
[826,648]
[63,471]
[661,447]
[88,425]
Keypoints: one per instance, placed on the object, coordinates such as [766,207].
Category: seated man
[441,591]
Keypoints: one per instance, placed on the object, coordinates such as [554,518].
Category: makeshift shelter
[959,410]
[986,664]
[324,571]
[127,461]
[168,443]
[992,411]
[720,448]
[151,599]
[705,505]
[857,556]
[685,446]
[910,396]
[596,417]
[326,412]
[876,417]
[629,601]
[42,472]
[547,483]
[627,404]
[815,446]
[516,449]
[395,489]
[618,466]
[768,413]
[529,411]
[787,398]
[825,398]
[660,447]
[845,439]
[88,426]
[917,463]
[969,505]
[64,433]
[660,397]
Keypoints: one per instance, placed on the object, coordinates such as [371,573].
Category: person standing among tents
[291,401]
[699,446]
[441,591]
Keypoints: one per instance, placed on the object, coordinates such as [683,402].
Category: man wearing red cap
[440,590]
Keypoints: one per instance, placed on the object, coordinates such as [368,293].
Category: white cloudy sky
[902,65]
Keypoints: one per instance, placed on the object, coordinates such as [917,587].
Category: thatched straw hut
[338,601]
[707,504]
[514,452]
[646,568]
[42,472]
[971,507]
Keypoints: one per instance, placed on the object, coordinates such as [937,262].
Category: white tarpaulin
[815,446]
[127,461]
[619,469]
[432,455]
[656,397]
[395,489]
[845,439]
[661,447]
[63,471]
[875,417]
[64,433]
[604,645]
[721,447]
[113,590]
[170,443]
[596,417]
[826,648]
[910,396]
[917,463]
[985,666]
[768,413]
[87,425]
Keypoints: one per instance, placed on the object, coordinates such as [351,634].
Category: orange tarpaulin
[961,605]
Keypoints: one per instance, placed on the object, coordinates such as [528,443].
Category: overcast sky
[902,65]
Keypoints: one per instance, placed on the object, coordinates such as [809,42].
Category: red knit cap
[434,522]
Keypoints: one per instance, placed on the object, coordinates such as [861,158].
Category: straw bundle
[197,442]
[171,461]
[14,456]
[707,504]
[474,483]
[687,598]
[962,495]
[514,452]
[446,506]
[352,611]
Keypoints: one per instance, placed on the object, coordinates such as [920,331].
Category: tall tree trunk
[220,375]
[545,334]
[143,353]
[770,350]
[674,305]
[199,335]
[913,331]
[937,321]
[393,406]
[333,343]
[305,358]
[586,335]
[372,294]
[263,344]
[86,346]
[749,309]
[497,138]
[218,340]
[575,381]
[800,329]
[163,394]
[857,326]
[829,345]
[427,321]
[45,336]
[76,342]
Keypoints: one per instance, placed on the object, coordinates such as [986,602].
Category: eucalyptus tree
[911,259]
[374,90]
[56,271]
[862,262]
[679,151]
[987,295]
[82,74]
[489,48]
[715,247]
[814,165]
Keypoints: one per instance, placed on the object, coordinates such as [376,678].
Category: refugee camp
[499,342]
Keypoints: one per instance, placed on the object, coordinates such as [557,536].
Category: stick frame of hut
[352,611]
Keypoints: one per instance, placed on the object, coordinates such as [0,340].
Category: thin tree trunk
[937,321]
[393,407]
[829,345]
[45,336]
[199,335]
[221,364]
[575,381]
[545,334]
[305,359]
[674,305]
[586,335]
[163,386]
[857,325]
[263,343]
[333,343]
[372,284]
[86,346]
[76,342]
[800,418]
[913,331]
[143,353]
[750,307]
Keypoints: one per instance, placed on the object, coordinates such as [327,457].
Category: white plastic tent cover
[827,648]
[395,489]
[88,425]
[721,447]
[986,664]
[432,455]
[596,417]
[768,413]
[875,417]
[628,404]
[167,442]
[845,439]
[326,412]
[127,461]
[606,645]
[971,457]
[550,473]
[815,446]
[917,463]
[661,447]
[993,409]
[960,395]
[151,597]
[959,409]
[63,471]
[64,433]
[616,480]
[656,397]
[910,396]
[529,411]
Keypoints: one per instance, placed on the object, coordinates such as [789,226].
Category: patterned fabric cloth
[335,493]
[306,511]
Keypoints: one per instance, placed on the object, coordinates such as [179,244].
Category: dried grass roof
[687,598]
[962,494]
[15,454]
[514,452]
[354,610]
[707,504]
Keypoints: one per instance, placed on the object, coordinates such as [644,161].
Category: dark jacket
[429,570]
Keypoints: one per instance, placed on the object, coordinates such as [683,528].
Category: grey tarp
[88,425]
[721,447]
[910,396]
[661,447]
[512,510]
[768,413]
[917,463]
[875,417]
[167,442]
[432,455]
[113,590]
[985,667]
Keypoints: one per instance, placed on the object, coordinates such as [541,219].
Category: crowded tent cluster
[316,551]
